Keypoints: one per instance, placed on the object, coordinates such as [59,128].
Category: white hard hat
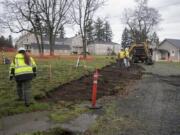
[21,49]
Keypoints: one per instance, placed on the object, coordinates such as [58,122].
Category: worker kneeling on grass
[121,56]
[23,69]
[126,59]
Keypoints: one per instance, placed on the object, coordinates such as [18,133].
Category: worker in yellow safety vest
[126,59]
[23,69]
[121,56]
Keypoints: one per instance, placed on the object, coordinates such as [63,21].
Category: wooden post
[77,63]
[85,66]
[70,71]
[3,57]
[50,72]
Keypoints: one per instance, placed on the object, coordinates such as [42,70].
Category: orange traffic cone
[94,91]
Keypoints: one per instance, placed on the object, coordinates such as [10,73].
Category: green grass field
[62,71]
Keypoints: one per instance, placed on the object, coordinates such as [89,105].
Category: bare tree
[82,13]
[54,13]
[21,15]
[1,25]
[39,16]
[142,20]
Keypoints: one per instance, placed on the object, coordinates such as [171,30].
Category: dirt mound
[113,80]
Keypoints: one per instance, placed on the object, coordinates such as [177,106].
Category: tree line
[48,17]
[6,42]
[127,39]
[141,24]
[99,31]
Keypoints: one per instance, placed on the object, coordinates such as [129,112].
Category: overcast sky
[169,9]
[112,11]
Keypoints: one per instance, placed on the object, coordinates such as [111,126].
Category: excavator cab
[141,53]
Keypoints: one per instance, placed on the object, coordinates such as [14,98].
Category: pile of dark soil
[111,76]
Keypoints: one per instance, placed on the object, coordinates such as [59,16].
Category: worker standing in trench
[23,69]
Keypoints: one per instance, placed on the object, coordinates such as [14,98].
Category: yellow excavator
[141,53]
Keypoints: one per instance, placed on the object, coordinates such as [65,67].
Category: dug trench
[113,80]
[110,77]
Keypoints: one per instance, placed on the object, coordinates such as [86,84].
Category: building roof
[56,47]
[106,43]
[58,39]
[174,42]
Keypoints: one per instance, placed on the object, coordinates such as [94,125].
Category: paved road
[152,108]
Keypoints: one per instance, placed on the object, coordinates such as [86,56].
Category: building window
[172,53]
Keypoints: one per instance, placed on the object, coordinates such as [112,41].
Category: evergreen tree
[99,30]
[107,32]
[154,39]
[126,38]
[10,41]
[2,41]
[90,30]
[6,42]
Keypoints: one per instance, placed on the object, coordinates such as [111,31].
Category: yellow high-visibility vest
[20,67]
[121,54]
[127,53]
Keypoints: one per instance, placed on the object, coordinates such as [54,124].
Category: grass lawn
[62,71]
[172,64]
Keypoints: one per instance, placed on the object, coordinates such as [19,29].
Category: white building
[67,45]
[103,48]
[62,46]
[25,39]
[168,50]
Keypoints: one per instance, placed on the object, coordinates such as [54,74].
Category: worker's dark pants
[24,91]
[120,62]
